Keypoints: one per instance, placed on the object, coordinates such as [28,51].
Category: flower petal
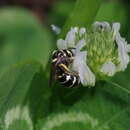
[82,31]
[115,28]
[61,44]
[80,45]
[55,29]
[79,65]
[71,37]
[123,56]
[86,76]
[128,47]
[108,68]
[79,58]
[102,25]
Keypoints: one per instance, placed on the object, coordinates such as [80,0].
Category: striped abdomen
[66,77]
[68,80]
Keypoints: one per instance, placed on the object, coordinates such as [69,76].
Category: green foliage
[60,12]
[22,37]
[108,12]
[82,15]
[17,100]
[26,101]
[104,107]
[14,94]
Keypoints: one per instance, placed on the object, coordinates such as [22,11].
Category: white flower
[108,68]
[71,37]
[56,29]
[87,77]
[102,26]
[127,47]
[79,65]
[122,51]
[115,28]
[105,58]
[62,44]
[123,48]
[80,45]
[82,31]
[69,41]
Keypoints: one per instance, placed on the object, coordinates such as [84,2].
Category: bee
[66,77]
[61,61]
[62,56]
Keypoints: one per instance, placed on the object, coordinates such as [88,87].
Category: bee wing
[52,75]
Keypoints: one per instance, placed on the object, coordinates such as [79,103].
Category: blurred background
[44,10]
[25,26]
[56,11]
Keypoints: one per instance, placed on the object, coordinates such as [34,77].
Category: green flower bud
[102,50]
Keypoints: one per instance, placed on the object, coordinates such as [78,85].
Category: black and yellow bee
[62,56]
[61,61]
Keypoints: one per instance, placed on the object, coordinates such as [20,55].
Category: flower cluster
[99,52]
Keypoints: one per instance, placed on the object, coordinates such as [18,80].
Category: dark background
[56,11]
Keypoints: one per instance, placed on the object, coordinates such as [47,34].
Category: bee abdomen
[68,80]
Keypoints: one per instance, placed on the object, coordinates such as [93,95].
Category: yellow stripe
[65,67]
[69,52]
[54,60]
[59,76]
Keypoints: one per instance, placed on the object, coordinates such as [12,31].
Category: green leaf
[21,87]
[60,12]
[119,84]
[108,12]
[93,109]
[82,15]
[22,37]
[104,107]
